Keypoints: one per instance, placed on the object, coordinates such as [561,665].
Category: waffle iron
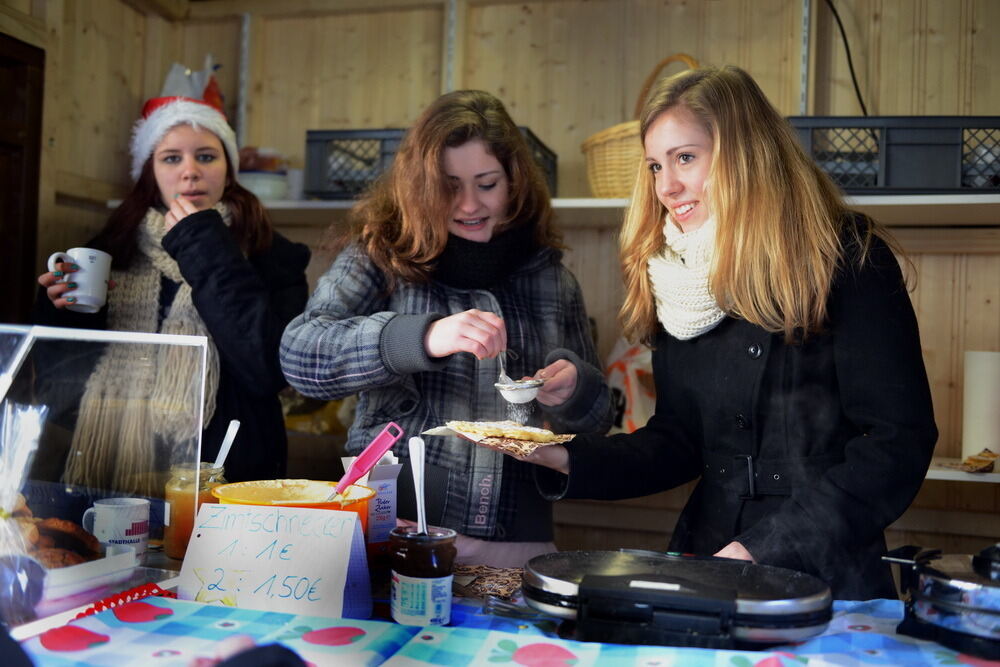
[645,597]
[953,599]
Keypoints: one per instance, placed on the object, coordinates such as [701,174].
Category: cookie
[55,558]
[68,535]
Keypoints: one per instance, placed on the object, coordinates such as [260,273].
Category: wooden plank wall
[567,69]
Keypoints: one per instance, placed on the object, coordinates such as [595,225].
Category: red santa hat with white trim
[161,114]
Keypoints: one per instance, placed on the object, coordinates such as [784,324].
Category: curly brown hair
[402,221]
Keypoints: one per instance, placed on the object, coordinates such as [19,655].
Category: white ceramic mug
[120,521]
[91,278]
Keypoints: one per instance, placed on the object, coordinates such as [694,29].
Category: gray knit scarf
[139,406]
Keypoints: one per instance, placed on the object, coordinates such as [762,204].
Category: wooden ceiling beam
[212,9]
[171,10]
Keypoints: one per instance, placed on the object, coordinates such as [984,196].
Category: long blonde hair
[402,220]
[779,217]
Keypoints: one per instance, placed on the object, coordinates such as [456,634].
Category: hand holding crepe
[505,436]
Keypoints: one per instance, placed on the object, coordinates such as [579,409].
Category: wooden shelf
[929,210]
[591,213]
[926,215]
[925,211]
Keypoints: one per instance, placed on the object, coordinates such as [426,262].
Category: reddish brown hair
[402,222]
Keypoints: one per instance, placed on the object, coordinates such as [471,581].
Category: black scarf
[472,265]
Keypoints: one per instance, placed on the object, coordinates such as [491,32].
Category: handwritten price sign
[285,559]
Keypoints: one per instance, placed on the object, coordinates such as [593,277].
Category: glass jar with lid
[422,567]
[187,489]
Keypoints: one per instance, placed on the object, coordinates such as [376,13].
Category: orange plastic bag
[630,376]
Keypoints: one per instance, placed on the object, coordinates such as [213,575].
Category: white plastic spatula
[227,443]
[367,459]
[417,467]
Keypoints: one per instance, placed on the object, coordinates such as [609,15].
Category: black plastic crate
[340,164]
[905,154]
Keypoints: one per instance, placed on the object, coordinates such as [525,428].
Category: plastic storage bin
[340,164]
[905,154]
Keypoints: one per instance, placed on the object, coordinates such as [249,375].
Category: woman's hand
[180,208]
[736,551]
[477,332]
[57,291]
[560,382]
[555,457]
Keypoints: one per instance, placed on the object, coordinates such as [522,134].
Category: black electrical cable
[850,63]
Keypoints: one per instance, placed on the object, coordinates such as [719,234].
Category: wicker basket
[613,153]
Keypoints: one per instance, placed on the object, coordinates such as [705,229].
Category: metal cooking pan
[654,598]
[953,599]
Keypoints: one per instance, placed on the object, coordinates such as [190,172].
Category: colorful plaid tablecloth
[161,632]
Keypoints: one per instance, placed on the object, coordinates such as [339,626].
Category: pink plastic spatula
[367,459]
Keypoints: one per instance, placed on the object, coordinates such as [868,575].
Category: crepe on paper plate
[508,436]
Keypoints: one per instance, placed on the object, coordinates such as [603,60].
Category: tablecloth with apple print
[160,632]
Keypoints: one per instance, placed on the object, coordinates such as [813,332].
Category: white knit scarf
[139,405]
[679,276]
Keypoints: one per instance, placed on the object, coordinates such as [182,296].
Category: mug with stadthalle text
[91,278]
[122,521]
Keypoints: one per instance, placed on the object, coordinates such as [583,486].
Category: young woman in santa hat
[193,253]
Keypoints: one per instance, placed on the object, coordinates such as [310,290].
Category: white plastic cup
[91,278]
[122,521]
[296,183]
[980,409]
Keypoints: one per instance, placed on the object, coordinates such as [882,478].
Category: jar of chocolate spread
[422,566]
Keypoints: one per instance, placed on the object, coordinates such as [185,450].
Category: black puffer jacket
[245,304]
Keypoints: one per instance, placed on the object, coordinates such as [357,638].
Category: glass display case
[91,424]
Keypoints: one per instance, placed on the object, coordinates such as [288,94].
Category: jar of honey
[422,567]
[187,489]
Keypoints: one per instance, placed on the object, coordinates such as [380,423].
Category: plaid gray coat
[353,338]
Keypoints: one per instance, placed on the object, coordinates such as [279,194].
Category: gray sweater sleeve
[589,409]
[347,341]
[403,344]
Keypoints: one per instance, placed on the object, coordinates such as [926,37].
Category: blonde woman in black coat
[786,355]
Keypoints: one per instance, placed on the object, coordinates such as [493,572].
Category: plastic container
[307,493]
[340,164]
[268,185]
[905,154]
[69,587]
[185,486]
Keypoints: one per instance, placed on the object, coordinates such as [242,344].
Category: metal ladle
[515,391]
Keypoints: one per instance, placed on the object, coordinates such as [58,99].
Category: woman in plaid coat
[453,260]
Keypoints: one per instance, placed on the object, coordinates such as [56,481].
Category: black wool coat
[806,452]
[245,304]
